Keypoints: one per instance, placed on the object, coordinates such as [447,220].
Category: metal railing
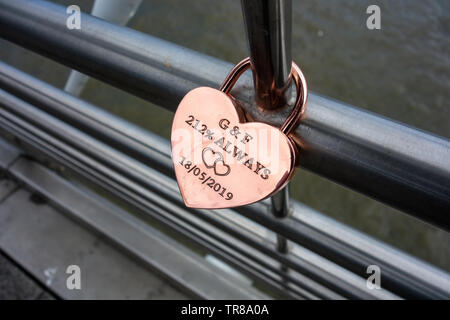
[391,162]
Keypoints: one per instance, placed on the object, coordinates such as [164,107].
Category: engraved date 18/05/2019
[206,180]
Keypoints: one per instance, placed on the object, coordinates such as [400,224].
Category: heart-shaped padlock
[220,160]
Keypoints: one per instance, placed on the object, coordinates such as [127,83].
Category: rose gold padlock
[222,161]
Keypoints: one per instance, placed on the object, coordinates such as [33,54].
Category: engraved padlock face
[222,162]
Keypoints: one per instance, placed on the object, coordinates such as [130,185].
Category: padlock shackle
[234,75]
[297,112]
[291,122]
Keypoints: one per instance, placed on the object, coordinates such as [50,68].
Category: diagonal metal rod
[115,11]
[268,24]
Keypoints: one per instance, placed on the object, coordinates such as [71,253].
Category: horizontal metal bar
[70,158]
[254,269]
[401,273]
[164,189]
[8,155]
[37,238]
[149,139]
[157,250]
[393,163]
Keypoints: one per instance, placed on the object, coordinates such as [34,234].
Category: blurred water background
[401,71]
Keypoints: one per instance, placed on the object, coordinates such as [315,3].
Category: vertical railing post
[269,26]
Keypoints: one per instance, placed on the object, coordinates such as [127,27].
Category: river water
[401,71]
